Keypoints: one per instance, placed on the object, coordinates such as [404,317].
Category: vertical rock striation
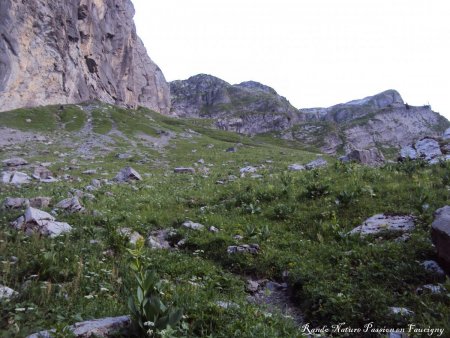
[70,51]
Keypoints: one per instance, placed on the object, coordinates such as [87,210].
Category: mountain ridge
[382,120]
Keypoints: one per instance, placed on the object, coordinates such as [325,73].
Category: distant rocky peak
[256,86]
[205,81]
[384,99]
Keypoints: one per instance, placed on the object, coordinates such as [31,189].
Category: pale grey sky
[313,52]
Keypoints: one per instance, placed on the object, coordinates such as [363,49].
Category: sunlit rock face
[70,51]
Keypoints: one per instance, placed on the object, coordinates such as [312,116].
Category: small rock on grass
[193,225]
[128,174]
[6,292]
[133,236]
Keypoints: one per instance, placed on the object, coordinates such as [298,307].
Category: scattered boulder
[6,292]
[184,170]
[408,152]
[433,267]
[296,167]
[35,220]
[318,163]
[90,172]
[227,305]
[401,311]
[193,225]
[159,239]
[213,229]
[248,170]
[431,288]
[252,286]
[15,203]
[36,202]
[42,173]
[133,236]
[428,148]
[14,162]
[381,222]
[71,205]
[99,328]
[243,248]
[15,177]
[124,156]
[128,174]
[96,183]
[371,156]
[440,234]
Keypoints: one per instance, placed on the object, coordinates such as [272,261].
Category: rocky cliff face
[382,121]
[248,107]
[69,51]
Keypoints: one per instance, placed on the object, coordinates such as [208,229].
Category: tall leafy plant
[152,316]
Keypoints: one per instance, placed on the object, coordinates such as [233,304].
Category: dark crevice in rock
[82,12]
[91,64]
[9,44]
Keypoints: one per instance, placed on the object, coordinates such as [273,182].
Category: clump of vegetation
[153,316]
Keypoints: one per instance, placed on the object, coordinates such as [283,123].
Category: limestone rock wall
[70,51]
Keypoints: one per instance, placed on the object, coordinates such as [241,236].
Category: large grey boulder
[42,173]
[71,205]
[64,51]
[128,174]
[6,292]
[14,202]
[133,236]
[192,225]
[408,152]
[93,328]
[372,156]
[440,234]
[428,148]
[243,248]
[296,167]
[14,162]
[381,222]
[38,221]
[15,177]
[318,163]
[159,239]
[18,202]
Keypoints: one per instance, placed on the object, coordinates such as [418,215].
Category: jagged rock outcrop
[381,121]
[249,107]
[432,150]
[70,51]
[371,157]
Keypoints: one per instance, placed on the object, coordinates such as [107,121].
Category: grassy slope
[335,278]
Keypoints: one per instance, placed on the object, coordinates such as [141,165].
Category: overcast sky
[316,53]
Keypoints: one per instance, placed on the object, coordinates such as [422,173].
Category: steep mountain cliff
[70,51]
[248,107]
